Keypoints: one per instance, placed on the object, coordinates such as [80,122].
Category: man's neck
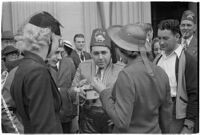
[79,51]
[170,52]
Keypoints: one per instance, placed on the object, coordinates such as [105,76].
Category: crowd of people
[130,82]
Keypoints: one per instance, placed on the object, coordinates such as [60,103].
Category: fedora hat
[9,49]
[130,37]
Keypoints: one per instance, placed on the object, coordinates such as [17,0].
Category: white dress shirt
[168,64]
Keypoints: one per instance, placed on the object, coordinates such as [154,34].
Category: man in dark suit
[79,55]
[188,28]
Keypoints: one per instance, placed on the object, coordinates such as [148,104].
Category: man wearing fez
[33,89]
[140,100]
[188,28]
[93,119]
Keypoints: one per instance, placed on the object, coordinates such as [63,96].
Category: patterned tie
[185,44]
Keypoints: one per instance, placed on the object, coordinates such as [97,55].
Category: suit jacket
[76,59]
[36,96]
[192,49]
[87,70]
[139,102]
[66,74]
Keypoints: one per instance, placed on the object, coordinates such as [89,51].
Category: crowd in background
[129,82]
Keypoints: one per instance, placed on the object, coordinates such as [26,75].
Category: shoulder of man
[190,58]
[87,54]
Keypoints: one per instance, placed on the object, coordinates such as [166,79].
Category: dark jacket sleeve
[191,88]
[120,106]
[165,110]
[41,103]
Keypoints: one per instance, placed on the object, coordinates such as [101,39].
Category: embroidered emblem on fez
[99,36]
[190,16]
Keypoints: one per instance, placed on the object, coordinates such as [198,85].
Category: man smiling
[188,28]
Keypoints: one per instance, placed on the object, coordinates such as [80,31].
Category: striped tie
[185,44]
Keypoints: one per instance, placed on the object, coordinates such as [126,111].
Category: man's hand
[98,85]
[82,83]
[186,130]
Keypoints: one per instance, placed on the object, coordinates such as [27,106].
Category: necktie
[82,57]
[99,73]
[185,44]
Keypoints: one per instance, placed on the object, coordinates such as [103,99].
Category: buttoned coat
[76,59]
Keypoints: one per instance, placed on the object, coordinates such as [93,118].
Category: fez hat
[67,44]
[7,35]
[100,38]
[46,20]
[131,37]
[9,49]
[188,15]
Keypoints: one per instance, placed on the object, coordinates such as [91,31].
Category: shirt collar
[97,68]
[187,40]
[79,52]
[177,51]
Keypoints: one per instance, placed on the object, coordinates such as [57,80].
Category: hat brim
[113,33]
[67,45]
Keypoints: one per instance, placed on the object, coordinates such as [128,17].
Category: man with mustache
[188,28]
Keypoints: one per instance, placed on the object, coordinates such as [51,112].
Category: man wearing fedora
[181,69]
[140,100]
[93,119]
[34,91]
[188,28]
[11,59]
[66,72]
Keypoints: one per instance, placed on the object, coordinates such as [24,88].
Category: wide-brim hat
[130,37]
